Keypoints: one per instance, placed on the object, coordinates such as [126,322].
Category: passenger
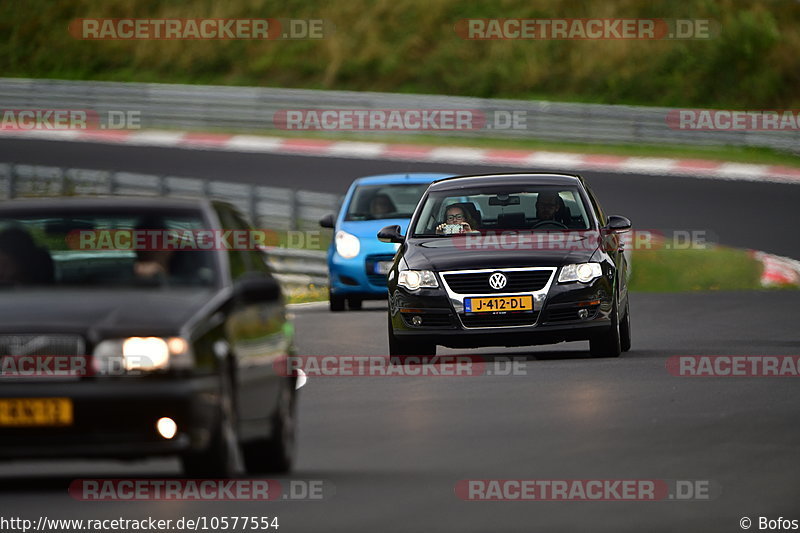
[455,214]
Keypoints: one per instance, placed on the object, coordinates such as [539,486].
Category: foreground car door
[258,334]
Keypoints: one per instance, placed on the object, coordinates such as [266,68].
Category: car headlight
[583,272]
[141,354]
[347,245]
[414,279]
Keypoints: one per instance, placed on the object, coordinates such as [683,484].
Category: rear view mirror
[328,221]
[391,234]
[504,199]
[618,224]
[257,289]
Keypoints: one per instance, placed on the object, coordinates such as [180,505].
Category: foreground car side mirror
[618,224]
[252,289]
[391,234]
[328,221]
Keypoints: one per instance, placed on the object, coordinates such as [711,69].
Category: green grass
[713,269]
[305,295]
[410,46]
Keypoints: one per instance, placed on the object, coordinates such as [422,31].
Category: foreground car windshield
[502,209]
[375,202]
[47,249]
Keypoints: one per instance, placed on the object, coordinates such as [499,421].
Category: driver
[455,214]
[548,206]
[381,205]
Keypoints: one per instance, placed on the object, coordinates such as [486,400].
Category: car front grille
[518,281]
[45,344]
[378,280]
[489,320]
[566,314]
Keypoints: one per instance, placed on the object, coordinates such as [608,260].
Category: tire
[223,457]
[336,303]
[625,329]
[607,343]
[276,454]
[354,304]
[401,350]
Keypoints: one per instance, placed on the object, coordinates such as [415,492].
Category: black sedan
[124,334]
[508,260]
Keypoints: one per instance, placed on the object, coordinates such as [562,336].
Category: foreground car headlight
[583,272]
[414,279]
[119,356]
[347,245]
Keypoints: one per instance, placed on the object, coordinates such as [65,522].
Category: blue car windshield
[376,202]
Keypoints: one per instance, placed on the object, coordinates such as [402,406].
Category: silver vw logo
[497,281]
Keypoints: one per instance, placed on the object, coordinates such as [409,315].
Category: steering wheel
[549,223]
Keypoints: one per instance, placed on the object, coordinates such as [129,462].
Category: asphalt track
[762,216]
[394,448]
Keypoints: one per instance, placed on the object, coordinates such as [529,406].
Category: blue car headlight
[347,245]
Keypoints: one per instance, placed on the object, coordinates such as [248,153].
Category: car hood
[100,313]
[460,253]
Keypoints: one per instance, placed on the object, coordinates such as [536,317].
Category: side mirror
[253,289]
[391,234]
[328,221]
[618,224]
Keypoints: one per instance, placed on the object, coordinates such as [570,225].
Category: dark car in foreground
[147,348]
[537,262]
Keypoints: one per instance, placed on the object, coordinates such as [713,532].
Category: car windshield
[502,209]
[102,249]
[375,202]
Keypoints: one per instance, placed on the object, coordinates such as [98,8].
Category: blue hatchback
[357,261]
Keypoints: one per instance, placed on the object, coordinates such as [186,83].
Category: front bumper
[116,417]
[355,277]
[557,316]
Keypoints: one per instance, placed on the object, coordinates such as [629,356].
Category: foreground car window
[508,209]
[47,249]
[375,202]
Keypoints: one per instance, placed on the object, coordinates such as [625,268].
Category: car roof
[510,178]
[407,177]
[78,203]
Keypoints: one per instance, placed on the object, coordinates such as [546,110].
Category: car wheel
[401,350]
[625,329]
[354,304]
[223,457]
[276,454]
[607,343]
[336,302]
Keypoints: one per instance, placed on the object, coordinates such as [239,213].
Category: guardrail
[254,108]
[267,207]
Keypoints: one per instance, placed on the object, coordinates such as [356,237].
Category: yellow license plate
[23,412]
[498,303]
